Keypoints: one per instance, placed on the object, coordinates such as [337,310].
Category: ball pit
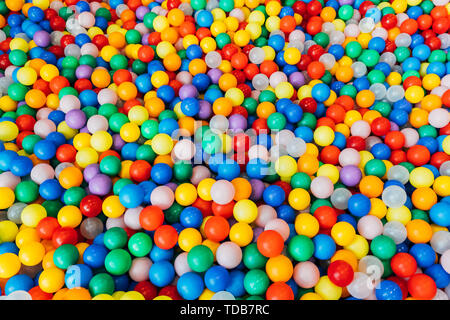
[246,149]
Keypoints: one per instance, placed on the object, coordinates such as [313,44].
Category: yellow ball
[292,55]
[31,253]
[51,280]
[241,233]
[8,131]
[285,166]
[69,216]
[9,265]
[273,8]
[132,295]
[245,210]
[204,189]
[112,208]
[431,81]
[307,225]
[284,90]
[138,115]
[327,289]
[279,268]
[330,171]
[189,238]
[7,198]
[402,214]
[378,208]
[399,6]
[421,177]
[241,38]
[86,156]
[103,296]
[186,194]
[235,95]
[446,144]
[299,199]
[414,94]
[359,246]
[323,136]
[26,76]
[343,233]
[311,296]
[162,144]
[32,214]
[26,235]
[101,141]
[441,186]
[8,231]
[130,132]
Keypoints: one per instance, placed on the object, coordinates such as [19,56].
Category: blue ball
[359,205]
[421,52]
[143,83]
[88,98]
[131,196]
[276,42]
[411,63]
[424,254]
[44,149]
[229,170]
[190,107]
[168,126]
[51,189]
[158,254]
[282,104]
[274,195]
[9,247]
[440,214]
[57,138]
[400,117]
[201,81]
[191,217]
[194,51]
[305,133]
[18,282]
[7,158]
[377,44]
[265,140]
[257,168]
[439,275]
[361,83]
[381,151]
[78,275]
[236,283]
[217,278]
[212,94]
[35,14]
[286,213]
[190,286]
[293,113]
[122,282]
[324,247]
[347,218]
[166,93]
[337,51]
[94,255]
[430,143]
[416,39]
[320,92]
[154,66]
[161,273]
[21,166]
[403,104]
[388,290]
[129,150]
[57,116]
[437,68]
[204,18]
[339,141]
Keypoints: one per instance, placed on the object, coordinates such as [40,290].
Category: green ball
[300,180]
[427,6]
[89,60]
[407,165]
[65,256]
[26,191]
[382,107]
[345,12]
[70,62]
[375,167]
[222,39]
[200,258]
[322,39]
[140,244]
[52,207]
[402,53]
[116,121]
[145,152]
[115,238]
[387,10]
[65,13]
[29,141]
[118,262]
[212,143]
[67,91]
[261,42]
[110,165]
[139,67]
[252,258]
[428,131]
[383,247]
[167,114]
[348,90]
[226,5]
[133,36]
[327,77]
[103,12]
[172,215]
[410,73]
[119,61]
[419,214]
[107,110]
[3,8]
[369,57]
[73,196]
[149,129]
[267,95]
[387,268]
[301,248]
[17,57]
[256,282]
[198,4]
[309,120]
[101,283]
[376,76]
[319,203]
[250,104]
[276,121]
[17,91]
[182,171]
[437,56]
[90,111]
[353,49]
[120,184]
[24,109]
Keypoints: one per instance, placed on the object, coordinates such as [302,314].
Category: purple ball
[83,72]
[188,91]
[141,11]
[145,39]
[118,142]
[214,75]
[91,171]
[75,119]
[344,2]
[172,185]
[42,38]
[297,79]
[100,185]
[257,189]
[394,126]
[256,232]
[205,110]
[350,175]
[237,122]
[84,130]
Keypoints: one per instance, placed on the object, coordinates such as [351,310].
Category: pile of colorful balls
[225,149]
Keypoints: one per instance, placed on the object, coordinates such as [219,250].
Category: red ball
[66,153]
[340,273]
[25,122]
[203,205]
[46,227]
[356,142]
[439,158]
[91,206]
[394,140]
[140,170]
[166,237]
[223,210]
[380,126]
[418,155]
[422,287]
[397,156]
[170,291]
[151,218]
[64,235]
[326,216]
[279,291]
[308,105]
[403,265]
[270,243]
[241,142]
[38,294]
[217,228]
[147,289]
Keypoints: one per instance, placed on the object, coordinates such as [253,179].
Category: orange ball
[242,188]
[371,186]
[424,198]
[223,106]
[70,177]
[270,243]
[127,91]
[419,231]
[217,228]
[172,62]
